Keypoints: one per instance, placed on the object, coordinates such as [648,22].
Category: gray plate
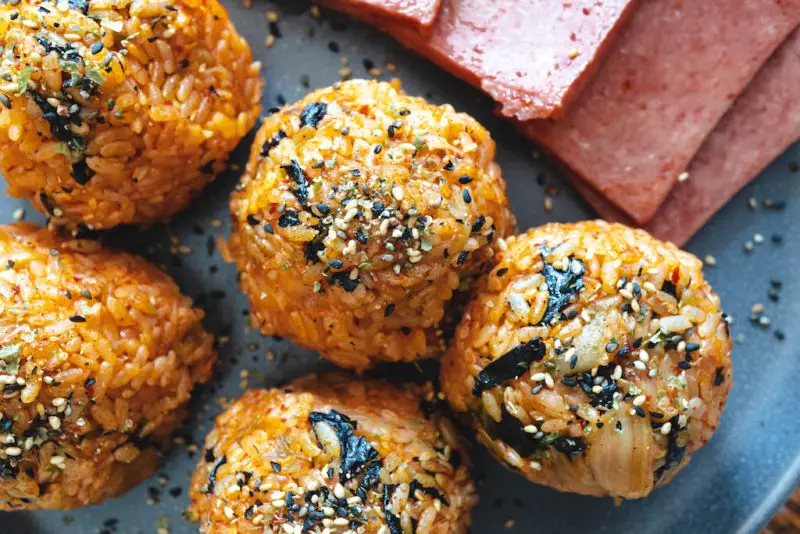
[733,485]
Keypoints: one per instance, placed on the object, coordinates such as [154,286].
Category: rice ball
[593,359]
[332,454]
[361,212]
[120,112]
[98,354]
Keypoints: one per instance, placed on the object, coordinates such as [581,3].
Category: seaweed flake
[212,475]
[604,398]
[356,452]
[511,431]
[510,365]
[343,280]
[669,288]
[372,475]
[288,218]
[300,191]
[315,246]
[675,452]
[313,114]
[433,492]
[81,172]
[65,52]
[8,469]
[80,5]
[561,286]
[60,126]
[392,521]
[569,445]
[272,143]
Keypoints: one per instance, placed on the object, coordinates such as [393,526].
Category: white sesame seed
[626,294]
[289,529]
[397,192]
[639,400]
[228,512]
[652,373]
[538,377]
[682,177]
[531,429]
[338,491]
[13,451]
[55,422]
[59,401]
[649,287]
[536,466]
[278,504]
[666,428]
[639,365]
[643,356]
[548,379]
[341,521]
[635,306]
[597,389]
[617,372]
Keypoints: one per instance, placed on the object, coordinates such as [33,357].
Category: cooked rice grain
[98,354]
[121,112]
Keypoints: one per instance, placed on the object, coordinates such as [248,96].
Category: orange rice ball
[119,112]
[361,212]
[593,359]
[332,454]
[98,354]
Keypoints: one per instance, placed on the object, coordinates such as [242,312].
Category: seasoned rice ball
[361,211]
[98,353]
[332,454]
[119,112]
[593,359]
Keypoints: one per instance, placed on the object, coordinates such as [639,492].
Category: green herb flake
[23,79]
[8,351]
[95,76]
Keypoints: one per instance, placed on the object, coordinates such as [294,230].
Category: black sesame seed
[268,228]
[465,179]
[333,46]
[5,101]
[96,48]
[89,382]
[78,319]
[323,208]
[477,226]
[462,257]
[502,272]
[389,310]
[449,166]
[467,196]
[612,346]
[691,347]
[573,361]
[378,149]
[251,220]
[639,411]
[656,415]
[335,264]
[275,466]
[779,335]
[536,389]
[683,364]
[569,382]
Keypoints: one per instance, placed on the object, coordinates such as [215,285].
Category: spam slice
[762,123]
[677,69]
[532,57]
[419,14]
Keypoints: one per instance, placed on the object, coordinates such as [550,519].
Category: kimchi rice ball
[360,213]
[98,353]
[119,112]
[593,359]
[332,454]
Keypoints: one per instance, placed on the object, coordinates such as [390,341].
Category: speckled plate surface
[733,485]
